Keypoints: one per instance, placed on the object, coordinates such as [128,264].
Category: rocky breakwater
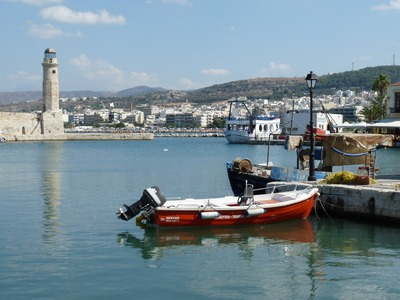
[109,136]
[80,136]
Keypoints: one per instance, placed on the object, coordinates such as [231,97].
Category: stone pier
[378,202]
[80,137]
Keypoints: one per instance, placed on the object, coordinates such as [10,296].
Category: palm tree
[371,113]
[380,85]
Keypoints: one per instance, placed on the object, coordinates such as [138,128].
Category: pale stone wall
[13,125]
[31,126]
[53,123]
[50,126]
[372,202]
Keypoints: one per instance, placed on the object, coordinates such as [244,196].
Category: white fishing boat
[249,128]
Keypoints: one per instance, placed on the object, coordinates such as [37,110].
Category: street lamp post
[311,81]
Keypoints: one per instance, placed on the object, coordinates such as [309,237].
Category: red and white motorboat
[266,208]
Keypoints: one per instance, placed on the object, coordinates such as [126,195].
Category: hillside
[277,88]
[270,88]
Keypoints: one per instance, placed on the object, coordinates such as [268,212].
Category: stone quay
[378,202]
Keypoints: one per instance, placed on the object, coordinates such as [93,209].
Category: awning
[351,125]
[352,149]
[386,123]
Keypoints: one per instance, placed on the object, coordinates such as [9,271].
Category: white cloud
[186,83]
[180,2]
[140,77]
[82,61]
[104,74]
[275,69]
[278,67]
[392,5]
[215,72]
[64,14]
[47,31]
[95,69]
[38,2]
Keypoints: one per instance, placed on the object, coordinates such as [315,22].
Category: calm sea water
[60,238]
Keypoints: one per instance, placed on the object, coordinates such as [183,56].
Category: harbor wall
[378,203]
[49,126]
[15,125]
[30,126]
[84,137]
[109,136]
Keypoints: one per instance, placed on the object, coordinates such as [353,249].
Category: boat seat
[271,201]
[284,197]
[218,204]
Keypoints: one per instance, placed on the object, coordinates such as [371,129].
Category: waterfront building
[391,124]
[393,107]
[136,117]
[350,112]
[148,109]
[92,118]
[181,120]
[200,120]
[77,119]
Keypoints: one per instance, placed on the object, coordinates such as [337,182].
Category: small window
[54,71]
[397,102]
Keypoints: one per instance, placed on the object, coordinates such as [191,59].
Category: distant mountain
[270,88]
[88,93]
[277,88]
[15,97]
[139,90]
[358,80]
[250,88]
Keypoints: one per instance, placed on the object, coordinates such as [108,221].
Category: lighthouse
[51,96]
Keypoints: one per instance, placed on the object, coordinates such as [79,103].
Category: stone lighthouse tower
[52,125]
[51,96]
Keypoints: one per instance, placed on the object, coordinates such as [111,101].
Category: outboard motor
[152,197]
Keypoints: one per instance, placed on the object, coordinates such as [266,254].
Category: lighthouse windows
[54,71]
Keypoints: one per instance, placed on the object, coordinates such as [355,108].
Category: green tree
[371,113]
[380,85]
[217,123]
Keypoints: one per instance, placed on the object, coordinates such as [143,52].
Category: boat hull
[231,217]
[238,181]
[246,137]
[237,137]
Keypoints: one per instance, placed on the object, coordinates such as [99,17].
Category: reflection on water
[155,240]
[283,252]
[55,245]
[343,237]
[51,182]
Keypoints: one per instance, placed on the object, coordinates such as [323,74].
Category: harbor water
[60,238]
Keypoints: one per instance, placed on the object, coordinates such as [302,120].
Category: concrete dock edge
[380,202]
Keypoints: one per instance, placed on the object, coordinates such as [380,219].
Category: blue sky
[189,44]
